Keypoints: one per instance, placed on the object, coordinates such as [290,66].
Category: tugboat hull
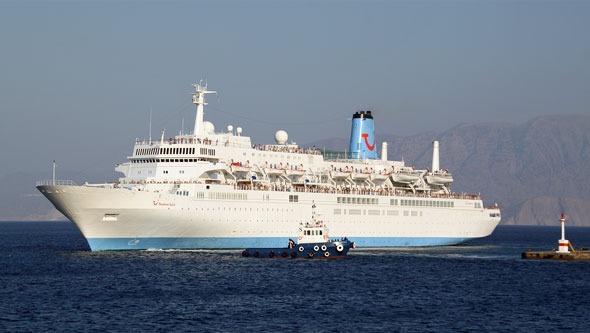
[324,250]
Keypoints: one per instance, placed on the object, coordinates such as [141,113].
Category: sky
[78,79]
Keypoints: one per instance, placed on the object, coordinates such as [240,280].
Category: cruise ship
[217,190]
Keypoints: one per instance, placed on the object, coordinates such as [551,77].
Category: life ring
[324,247]
[326,254]
[339,248]
[271,254]
[316,248]
[301,249]
[310,254]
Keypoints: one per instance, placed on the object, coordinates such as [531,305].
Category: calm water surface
[50,281]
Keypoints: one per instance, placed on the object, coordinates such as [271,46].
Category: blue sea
[50,281]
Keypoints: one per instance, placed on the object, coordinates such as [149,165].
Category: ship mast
[199,100]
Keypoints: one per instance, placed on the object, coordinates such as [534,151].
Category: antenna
[150,124]
[53,173]
[162,137]
[182,126]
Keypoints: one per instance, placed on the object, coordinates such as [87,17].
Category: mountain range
[533,171]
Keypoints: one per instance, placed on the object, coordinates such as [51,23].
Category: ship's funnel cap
[366,115]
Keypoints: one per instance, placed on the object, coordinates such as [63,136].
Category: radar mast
[199,100]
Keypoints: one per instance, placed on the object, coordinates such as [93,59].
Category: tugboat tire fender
[294,255]
[256,254]
[326,254]
[310,254]
[284,255]
[271,254]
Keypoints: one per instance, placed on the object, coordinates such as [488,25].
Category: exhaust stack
[384,151]
[435,165]
[362,136]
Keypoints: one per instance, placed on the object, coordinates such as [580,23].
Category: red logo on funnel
[364,135]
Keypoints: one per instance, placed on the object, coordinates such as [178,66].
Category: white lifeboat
[381,176]
[439,178]
[240,167]
[405,175]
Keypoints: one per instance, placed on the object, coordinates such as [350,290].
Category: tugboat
[313,243]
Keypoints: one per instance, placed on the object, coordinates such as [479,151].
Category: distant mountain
[533,170]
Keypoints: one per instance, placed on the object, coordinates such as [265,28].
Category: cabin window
[320,232]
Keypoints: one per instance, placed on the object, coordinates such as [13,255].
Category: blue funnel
[362,136]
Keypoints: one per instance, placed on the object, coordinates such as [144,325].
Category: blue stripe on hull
[104,244]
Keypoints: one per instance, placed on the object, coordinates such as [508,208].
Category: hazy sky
[78,78]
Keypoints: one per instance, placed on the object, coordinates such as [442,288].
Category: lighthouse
[563,243]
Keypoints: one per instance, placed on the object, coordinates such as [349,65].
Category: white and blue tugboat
[313,242]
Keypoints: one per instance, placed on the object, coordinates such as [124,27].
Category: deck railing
[52,182]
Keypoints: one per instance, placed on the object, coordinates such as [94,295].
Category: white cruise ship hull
[221,217]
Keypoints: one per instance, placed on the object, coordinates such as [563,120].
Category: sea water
[50,281]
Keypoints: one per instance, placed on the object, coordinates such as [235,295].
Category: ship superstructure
[211,189]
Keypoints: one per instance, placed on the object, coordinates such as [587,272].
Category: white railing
[51,182]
